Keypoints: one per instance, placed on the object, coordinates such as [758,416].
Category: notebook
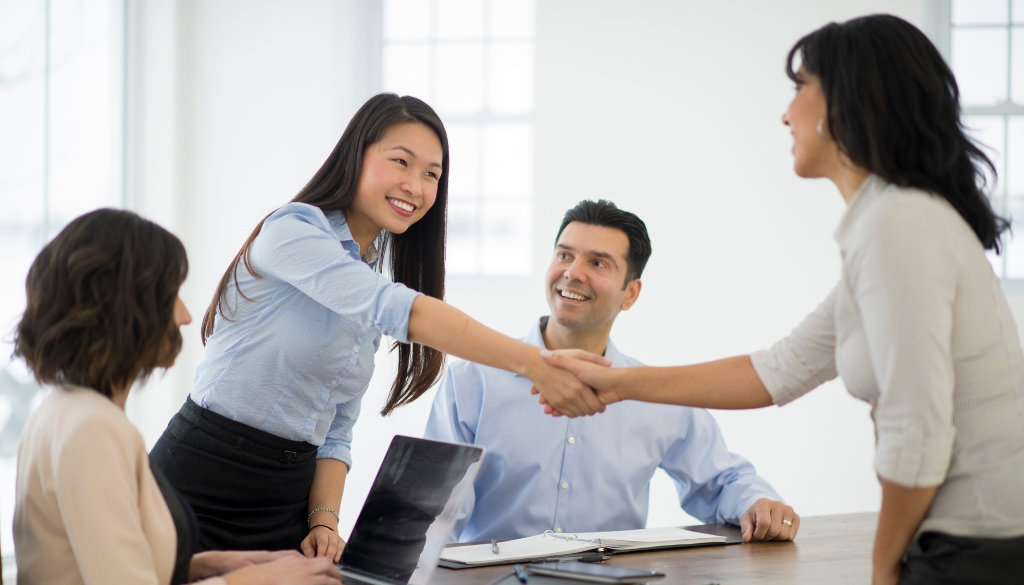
[409,512]
[554,546]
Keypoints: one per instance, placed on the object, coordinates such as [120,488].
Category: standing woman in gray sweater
[918,325]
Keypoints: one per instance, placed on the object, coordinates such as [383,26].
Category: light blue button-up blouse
[296,359]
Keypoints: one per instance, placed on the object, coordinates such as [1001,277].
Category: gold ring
[787,522]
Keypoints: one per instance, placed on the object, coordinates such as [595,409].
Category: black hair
[606,214]
[894,109]
[416,257]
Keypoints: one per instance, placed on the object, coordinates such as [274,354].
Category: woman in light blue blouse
[262,446]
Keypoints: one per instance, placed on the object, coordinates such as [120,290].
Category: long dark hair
[894,109]
[100,303]
[416,257]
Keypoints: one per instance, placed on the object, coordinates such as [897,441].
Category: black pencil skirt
[249,488]
[941,559]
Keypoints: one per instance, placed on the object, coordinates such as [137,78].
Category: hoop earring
[820,133]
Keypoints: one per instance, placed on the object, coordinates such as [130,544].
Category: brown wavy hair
[100,303]
[416,257]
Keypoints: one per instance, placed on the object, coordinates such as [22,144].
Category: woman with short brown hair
[102,312]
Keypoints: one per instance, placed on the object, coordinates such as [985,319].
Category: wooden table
[834,550]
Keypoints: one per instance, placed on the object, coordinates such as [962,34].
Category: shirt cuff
[337,451]
[781,385]
[907,457]
[396,303]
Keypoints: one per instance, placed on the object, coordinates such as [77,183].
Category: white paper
[510,551]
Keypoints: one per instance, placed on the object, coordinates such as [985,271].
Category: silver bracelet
[315,510]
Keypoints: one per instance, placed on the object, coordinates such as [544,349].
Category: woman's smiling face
[399,179]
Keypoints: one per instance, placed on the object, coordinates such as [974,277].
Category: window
[472,61]
[983,41]
[61,154]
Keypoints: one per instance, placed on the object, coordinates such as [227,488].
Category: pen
[520,573]
[494,545]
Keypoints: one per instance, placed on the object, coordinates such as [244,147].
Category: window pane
[979,62]
[460,19]
[22,50]
[1014,244]
[988,133]
[463,254]
[505,237]
[511,19]
[511,79]
[85,109]
[406,20]
[1013,173]
[507,160]
[460,78]
[980,11]
[464,149]
[1018,11]
[1017,65]
[407,70]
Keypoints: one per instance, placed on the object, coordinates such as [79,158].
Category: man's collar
[611,352]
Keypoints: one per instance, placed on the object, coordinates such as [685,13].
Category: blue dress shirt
[582,474]
[296,359]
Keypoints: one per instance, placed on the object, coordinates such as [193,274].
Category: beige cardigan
[87,507]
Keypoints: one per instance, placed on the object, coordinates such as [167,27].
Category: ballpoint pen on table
[520,573]
[494,546]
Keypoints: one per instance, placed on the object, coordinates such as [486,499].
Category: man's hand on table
[769,520]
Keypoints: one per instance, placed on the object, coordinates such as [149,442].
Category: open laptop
[409,512]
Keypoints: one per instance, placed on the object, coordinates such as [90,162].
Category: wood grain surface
[834,550]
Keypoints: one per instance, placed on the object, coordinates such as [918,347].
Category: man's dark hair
[604,213]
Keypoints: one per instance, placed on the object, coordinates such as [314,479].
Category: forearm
[441,326]
[326,491]
[903,509]
[728,384]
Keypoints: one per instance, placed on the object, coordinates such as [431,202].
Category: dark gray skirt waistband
[246,438]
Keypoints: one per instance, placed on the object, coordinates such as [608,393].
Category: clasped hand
[573,383]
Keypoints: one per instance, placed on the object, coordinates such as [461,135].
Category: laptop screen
[411,508]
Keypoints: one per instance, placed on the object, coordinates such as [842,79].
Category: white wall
[669,108]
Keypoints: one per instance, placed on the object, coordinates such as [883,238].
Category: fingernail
[546,353]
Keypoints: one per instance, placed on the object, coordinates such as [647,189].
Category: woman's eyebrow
[411,154]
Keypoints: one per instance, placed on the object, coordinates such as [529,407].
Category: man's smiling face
[587,276]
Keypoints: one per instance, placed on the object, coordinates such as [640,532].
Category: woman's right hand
[563,393]
[290,570]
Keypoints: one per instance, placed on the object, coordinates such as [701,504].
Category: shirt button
[355,348]
[313,416]
[558,530]
[334,383]
[565,485]
[572,440]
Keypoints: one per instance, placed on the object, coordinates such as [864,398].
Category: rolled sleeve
[338,443]
[902,274]
[802,361]
[297,245]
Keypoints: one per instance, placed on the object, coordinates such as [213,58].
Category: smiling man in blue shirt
[591,473]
